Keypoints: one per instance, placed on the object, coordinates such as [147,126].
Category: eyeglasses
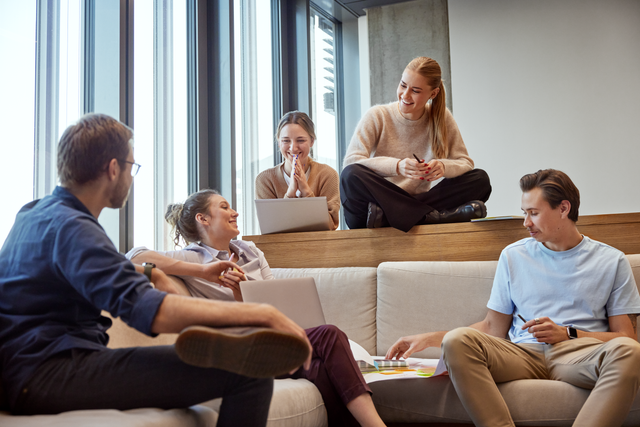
[135,167]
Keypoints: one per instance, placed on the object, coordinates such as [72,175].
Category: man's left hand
[545,330]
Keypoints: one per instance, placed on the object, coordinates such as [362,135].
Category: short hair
[556,186]
[87,147]
[297,118]
[182,216]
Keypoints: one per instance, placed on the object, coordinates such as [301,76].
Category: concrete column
[400,32]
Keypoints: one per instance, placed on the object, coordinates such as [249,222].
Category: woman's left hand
[231,279]
[301,180]
[437,170]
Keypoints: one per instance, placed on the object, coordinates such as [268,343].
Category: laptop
[297,298]
[292,215]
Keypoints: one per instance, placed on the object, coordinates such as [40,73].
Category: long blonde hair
[430,70]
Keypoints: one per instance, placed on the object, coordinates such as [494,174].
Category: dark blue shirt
[58,270]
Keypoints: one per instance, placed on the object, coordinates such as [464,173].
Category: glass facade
[71,57]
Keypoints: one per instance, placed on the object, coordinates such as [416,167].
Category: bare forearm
[604,336]
[495,324]
[177,312]
[435,339]
[169,265]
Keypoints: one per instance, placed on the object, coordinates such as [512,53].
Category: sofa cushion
[294,403]
[530,402]
[348,298]
[416,297]
[195,416]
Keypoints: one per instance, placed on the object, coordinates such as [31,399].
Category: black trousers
[141,377]
[359,185]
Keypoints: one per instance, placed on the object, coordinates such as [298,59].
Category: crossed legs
[477,361]
[141,377]
[360,185]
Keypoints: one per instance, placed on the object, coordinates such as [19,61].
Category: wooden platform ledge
[477,241]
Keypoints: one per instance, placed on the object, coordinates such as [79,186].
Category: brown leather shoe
[249,351]
[374,216]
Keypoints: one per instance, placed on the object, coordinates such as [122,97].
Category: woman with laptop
[299,175]
[399,149]
[208,224]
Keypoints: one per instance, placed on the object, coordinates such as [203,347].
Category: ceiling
[358,6]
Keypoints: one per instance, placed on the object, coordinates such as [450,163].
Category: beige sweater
[383,137]
[323,180]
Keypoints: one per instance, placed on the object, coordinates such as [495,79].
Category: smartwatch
[572,332]
[148,266]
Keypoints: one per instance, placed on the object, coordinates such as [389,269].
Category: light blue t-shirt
[581,287]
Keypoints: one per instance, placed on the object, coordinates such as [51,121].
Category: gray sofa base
[374,307]
[435,400]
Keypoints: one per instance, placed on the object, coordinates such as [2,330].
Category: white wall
[550,84]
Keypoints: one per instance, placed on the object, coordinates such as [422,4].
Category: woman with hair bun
[208,224]
[299,175]
[398,149]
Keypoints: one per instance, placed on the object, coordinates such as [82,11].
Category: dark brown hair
[182,216]
[556,186]
[87,147]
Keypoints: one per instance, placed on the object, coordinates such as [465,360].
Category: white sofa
[374,307]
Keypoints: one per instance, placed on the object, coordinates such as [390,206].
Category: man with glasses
[58,270]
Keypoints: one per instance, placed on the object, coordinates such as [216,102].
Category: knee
[331,333]
[456,338]
[352,172]
[482,176]
[482,183]
[482,179]
[626,349]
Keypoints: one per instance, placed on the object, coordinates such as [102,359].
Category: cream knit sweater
[383,137]
[323,180]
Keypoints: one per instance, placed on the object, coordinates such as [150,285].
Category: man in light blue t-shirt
[568,305]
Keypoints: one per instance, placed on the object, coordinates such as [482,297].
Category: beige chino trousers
[477,361]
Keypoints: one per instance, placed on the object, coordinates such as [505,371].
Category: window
[17,31]
[224,76]
[325,88]
[254,104]
[160,117]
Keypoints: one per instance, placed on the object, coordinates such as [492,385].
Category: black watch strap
[148,266]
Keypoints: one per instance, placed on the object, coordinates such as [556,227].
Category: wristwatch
[572,332]
[148,266]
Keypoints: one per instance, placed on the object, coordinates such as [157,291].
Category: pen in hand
[522,318]
[417,158]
